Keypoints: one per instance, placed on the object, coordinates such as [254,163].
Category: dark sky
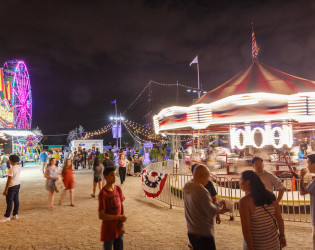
[83,54]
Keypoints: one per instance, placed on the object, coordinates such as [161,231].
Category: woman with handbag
[260,215]
[52,175]
[123,163]
[67,177]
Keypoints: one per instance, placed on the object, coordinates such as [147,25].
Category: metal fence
[294,207]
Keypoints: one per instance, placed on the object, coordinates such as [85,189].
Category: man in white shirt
[271,181]
[12,189]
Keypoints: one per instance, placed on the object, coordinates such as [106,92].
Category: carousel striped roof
[259,78]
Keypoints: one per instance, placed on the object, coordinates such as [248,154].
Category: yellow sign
[6,115]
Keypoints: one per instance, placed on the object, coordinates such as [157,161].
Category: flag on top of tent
[194,61]
[255,48]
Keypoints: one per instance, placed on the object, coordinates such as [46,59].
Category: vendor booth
[87,145]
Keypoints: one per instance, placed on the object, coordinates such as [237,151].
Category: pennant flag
[113,101]
[5,91]
[9,90]
[194,61]
[2,89]
[255,48]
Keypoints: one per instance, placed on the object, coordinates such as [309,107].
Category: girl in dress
[67,176]
[52,175]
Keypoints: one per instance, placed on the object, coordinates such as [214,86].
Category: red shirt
[110,201]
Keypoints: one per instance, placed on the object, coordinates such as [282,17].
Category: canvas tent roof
[259,77]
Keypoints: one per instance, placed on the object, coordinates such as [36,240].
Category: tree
[75,134]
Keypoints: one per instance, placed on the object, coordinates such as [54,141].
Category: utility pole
[116,124]
[177,92]
[148,115]
[120,128]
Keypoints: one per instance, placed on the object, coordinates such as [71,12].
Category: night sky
[83,54]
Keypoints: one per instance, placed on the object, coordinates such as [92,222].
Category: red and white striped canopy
[259,78]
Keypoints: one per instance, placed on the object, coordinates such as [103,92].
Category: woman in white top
[52,175]
[123,162]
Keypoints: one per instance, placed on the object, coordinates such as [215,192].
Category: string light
[160,84]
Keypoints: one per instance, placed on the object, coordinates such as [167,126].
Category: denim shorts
[98,179]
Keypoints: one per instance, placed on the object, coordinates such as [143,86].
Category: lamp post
[196,91]
[116,119]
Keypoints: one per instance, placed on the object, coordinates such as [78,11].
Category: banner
[153,182]
[116,134]
[148,145]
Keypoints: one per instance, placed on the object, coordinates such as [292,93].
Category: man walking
[43,159]
[310,189]
[200,210]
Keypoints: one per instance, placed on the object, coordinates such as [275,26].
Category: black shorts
[137,169]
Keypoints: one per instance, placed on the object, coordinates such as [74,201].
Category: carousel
[260,108]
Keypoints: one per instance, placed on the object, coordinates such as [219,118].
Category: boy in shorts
[111,211]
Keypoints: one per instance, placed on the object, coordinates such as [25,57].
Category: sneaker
[6,219]
[14,217]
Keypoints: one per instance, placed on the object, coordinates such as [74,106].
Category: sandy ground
[150,224]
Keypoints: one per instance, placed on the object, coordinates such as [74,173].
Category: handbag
[59,186]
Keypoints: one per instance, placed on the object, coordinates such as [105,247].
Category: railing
[294,207]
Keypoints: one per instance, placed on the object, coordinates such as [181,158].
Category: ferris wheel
[15,74]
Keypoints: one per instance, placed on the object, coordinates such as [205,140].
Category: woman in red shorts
[68,181]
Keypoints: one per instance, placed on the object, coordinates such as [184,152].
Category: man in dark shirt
[111,155]
[137,162]
[107,162]
[84,157]
[97,152]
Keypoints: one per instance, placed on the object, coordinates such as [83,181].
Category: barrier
[294,207]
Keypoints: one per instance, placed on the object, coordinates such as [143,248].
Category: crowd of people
[260,214]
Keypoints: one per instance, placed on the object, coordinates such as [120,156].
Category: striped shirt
[264,232]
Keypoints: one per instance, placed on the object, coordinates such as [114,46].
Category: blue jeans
[117,243]
[12,196]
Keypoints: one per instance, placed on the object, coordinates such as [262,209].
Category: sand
[150,224]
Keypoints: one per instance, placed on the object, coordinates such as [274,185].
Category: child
[12,189]
[98,169]
[111,211]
